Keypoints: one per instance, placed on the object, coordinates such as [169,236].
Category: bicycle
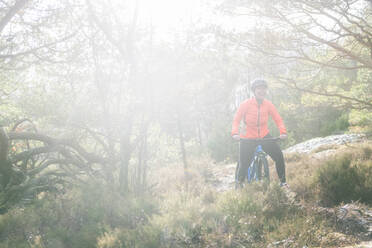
[259,167]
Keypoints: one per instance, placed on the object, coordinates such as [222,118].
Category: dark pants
[247,149]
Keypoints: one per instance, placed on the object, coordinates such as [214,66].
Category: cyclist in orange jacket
[255,113]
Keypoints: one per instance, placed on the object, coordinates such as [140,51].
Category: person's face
[260,92]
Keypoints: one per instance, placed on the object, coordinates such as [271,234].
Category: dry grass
[197,216]
[301,168]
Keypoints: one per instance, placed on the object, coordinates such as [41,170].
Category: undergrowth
[345,179]
[342,177]
[184,210]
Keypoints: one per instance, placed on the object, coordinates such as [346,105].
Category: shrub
[80,218]
[366,152]
[220,144]
[276,204]
[339,126]
[187,218]
[342,181]
[144,237]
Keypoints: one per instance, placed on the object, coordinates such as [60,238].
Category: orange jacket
[255,118]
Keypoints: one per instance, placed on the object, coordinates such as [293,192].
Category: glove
[283,136]
[236,137]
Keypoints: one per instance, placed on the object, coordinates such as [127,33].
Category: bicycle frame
[258,161]
[255,167]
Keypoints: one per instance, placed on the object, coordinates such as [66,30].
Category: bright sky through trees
[169,14]
[167,17]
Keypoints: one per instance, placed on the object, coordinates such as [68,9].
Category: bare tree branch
[20,122]
[12,12]
[36,49]
[334,45]
[362,104]
[105,30]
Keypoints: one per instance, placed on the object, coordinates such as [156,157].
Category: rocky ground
[330,141]
[349,216]
[224,175]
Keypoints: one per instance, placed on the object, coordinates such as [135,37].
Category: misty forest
[116,118]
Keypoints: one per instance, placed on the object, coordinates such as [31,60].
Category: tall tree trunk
[138,173]
[182,144]
[5,165]
[4,145]
[144,154]
[142,158]
[125,154]
[200,133]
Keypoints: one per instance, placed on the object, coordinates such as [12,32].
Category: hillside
[199,208]
[303,160]
[317,148]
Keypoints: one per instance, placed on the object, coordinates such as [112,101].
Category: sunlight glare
[169,14]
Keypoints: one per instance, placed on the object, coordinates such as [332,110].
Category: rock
[313,144]
[224,177]
[351,218]
[282,243]
[355,218]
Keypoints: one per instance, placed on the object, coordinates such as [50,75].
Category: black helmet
[258,82]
